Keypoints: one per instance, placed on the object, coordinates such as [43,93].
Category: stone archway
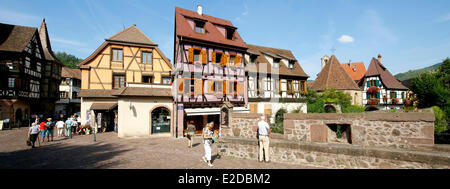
[332,108]
[371,108]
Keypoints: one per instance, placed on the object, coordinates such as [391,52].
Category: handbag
[28,141]
[215,138]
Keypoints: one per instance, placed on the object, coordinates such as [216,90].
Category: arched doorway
[160,120]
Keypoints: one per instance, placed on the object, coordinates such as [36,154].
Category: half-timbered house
[126,82]
[209,69]
[21,65]
[51,76]
[275,81]
[382,91]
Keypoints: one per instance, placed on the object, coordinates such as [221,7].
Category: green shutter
[368,95]
[378,83]
[368,83]
[378,94]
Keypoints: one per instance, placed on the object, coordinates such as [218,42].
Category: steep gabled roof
[263,65]
[334,76]
[355,70]
[45,41]
[212,34]
[129,36]
[14,38]
[388,80]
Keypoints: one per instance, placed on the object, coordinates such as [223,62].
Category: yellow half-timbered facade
[127,61]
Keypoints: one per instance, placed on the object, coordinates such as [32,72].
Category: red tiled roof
[388,80]
[98,93]
[71,73]
[334,76]
[355,70]
[212,34]
[145,92]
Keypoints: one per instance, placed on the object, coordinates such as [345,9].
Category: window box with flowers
[291,92]
[407,102]
[395,101]
[373,101]
[373,89]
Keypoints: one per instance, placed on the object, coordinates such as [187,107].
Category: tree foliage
[68,60]
[433,89]
[317,101]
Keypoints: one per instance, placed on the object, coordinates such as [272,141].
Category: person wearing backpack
[190,133]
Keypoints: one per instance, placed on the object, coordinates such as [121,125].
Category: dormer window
[199,26]
[252,59]
[230,33]
[276,63]
[291,65]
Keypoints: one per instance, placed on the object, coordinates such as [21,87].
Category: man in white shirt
[264,133]
[60,127]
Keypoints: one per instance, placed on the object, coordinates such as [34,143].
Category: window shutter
[378,83]
[180,85]
[378,94]
[237,61]
[203,53]
[225,87]
[368,83]
[191,55]
[211,87]
[240,88]
[198,87]
[224,60]
[213,58]
[368,96]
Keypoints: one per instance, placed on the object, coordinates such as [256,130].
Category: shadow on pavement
[60,156]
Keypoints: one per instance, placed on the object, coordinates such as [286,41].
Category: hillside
[413,73]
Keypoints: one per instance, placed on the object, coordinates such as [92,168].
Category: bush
[440,123]
[352,109]
[277,127]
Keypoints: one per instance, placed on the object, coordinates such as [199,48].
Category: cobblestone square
[112,152]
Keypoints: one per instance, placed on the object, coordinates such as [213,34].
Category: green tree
[68,60]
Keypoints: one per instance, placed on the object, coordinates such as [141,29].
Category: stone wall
[242,125]
[335,155]
[396,130]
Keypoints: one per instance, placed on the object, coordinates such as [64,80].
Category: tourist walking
[60,127]
[207,143]
[50,126]
[33,133]
[68,126]
[264,133]
[190,133]
[43,130]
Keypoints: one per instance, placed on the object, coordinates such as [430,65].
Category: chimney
[379,58]
[200,10]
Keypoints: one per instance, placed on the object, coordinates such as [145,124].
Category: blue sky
[409,34]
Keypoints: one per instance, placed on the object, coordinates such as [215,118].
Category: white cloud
[346,39]
[444,18]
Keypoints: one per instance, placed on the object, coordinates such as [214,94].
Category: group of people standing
[46,128]
[210,136]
